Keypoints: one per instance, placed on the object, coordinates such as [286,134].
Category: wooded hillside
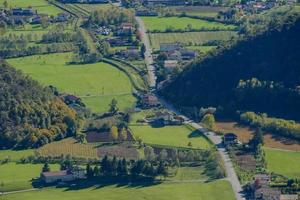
[260,74]
[30,115]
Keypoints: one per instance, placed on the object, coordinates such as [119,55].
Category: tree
[46,167]
[89,171]
[163,155]
[209,121]
[149,153]
[114,133]
[123,134]
[5,4]
[106,167]
[161,169]
[113,106]
[143,50]
[257,139]
[114,166]
[96,171]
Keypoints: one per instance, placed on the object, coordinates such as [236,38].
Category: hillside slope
[260,74]
[30,115]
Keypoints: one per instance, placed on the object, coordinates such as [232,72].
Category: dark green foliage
[226,80]
[46,168]
[114,16]
[286,128]
[30,115]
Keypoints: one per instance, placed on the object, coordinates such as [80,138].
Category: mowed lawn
[177,136]
[286,163]
[13,155]
[42,6]
[15,176]
[97,84]
[162,23]
[174,191]
[189,38]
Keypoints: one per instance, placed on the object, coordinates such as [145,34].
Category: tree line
[31,115]
[285,128]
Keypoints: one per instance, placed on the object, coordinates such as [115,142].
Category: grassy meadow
[42,6]
[15,155]
[91,82]
[176,136]
[189,38]
[282,162]
[162,23]
[165,191]
[15,176]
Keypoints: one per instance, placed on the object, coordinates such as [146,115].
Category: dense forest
[259,73]
[31,115]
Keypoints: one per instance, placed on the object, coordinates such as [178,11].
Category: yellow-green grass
[176,191]
[42,6]
[35,30]
[96,83]
[175,136]
[94,7]
[282,162]
[202,49]
[15,176]
[189,38]
[189,174]
[15,155]
[162,23]
[70,147]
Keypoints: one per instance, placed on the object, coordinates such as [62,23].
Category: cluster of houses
[29,15]
[260,6]
[103,30]
[263,191]
[175,54]
[165,118]
[148,100]
[76,173]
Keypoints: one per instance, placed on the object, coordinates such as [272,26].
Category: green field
[177,136]
[42,6]
[96,83]
[202,49]
[94,7]
[174,191]
[189,173]
[15,155]
[162,23]
[18,176]
[286,163]
[189,38]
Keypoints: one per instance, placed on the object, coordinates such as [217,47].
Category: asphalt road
[148,52]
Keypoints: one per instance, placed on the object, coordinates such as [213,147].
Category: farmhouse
[132,54]
[125,29]
[187,54]
[62,17]
[62,176]
[170,65]
[149,101]
[230,138]
[169,47]
[21,11]
[165,118]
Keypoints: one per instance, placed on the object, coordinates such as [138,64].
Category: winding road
[216,139]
